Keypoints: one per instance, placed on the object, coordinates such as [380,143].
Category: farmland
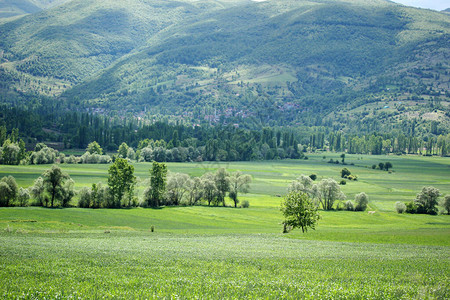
[216,252]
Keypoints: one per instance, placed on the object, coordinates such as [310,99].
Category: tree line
[55,188]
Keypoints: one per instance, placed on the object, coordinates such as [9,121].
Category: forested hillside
[356,66]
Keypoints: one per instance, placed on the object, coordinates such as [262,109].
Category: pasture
[216,252]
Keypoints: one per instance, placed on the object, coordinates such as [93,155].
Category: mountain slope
[276,58]
[273,62]
[72,41]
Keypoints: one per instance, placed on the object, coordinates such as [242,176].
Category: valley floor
[223,252]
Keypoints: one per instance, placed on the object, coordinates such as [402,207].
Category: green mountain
[330,63]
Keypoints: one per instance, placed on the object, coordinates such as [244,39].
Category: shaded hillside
[267,63]
[272,60]
[62,46]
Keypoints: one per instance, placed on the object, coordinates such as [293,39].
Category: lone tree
[299,211]
[121,180]
[238,183]
[158,179]
[54,180]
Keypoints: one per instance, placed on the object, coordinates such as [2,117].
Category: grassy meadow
[217,252]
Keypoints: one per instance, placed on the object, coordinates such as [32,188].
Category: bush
[361,201]
[352,177]
[348,205]
[313,177]
[343,182]
[245,204]
[400,207]
[345,173]
[411,207]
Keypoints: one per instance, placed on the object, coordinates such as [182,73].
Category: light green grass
[216,252]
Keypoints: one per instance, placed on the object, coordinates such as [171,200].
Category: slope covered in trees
[331,63]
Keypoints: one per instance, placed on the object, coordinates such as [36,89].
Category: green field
[216,252]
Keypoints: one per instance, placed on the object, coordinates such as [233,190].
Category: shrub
[348,205]
[400,207]
[245,204]
[361,201]
[374,167]
[313,177]
[345,173]
[352,177]
[343,182]
[411,207]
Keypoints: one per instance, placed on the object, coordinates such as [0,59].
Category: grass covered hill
[282,62]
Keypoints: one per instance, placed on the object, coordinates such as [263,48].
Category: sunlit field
[226,252]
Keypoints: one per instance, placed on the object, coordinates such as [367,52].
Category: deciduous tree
[299,211]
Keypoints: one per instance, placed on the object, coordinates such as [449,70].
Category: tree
[387,166]
[299,211]
[158,179]
[67,192]
[94,148]
[121,180]
[239,183]
[23,197]
[427,200]
[302,184]
[54,179]
[123,150]
[209,187]
[195,187]
[37,190]
[4,193]
[12,193]
[361,201]
[343,158]
[381,166]
[222,181]
[345,173]
[446,204]
[177,185]
[327,191]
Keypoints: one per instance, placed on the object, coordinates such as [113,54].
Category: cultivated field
[215,252]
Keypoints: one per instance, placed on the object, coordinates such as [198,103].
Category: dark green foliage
[158,180]
[54,180]
[343,182]
[121,181]
[313,177]
[427,200]
[387,166]
[345,173]
[299,211]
